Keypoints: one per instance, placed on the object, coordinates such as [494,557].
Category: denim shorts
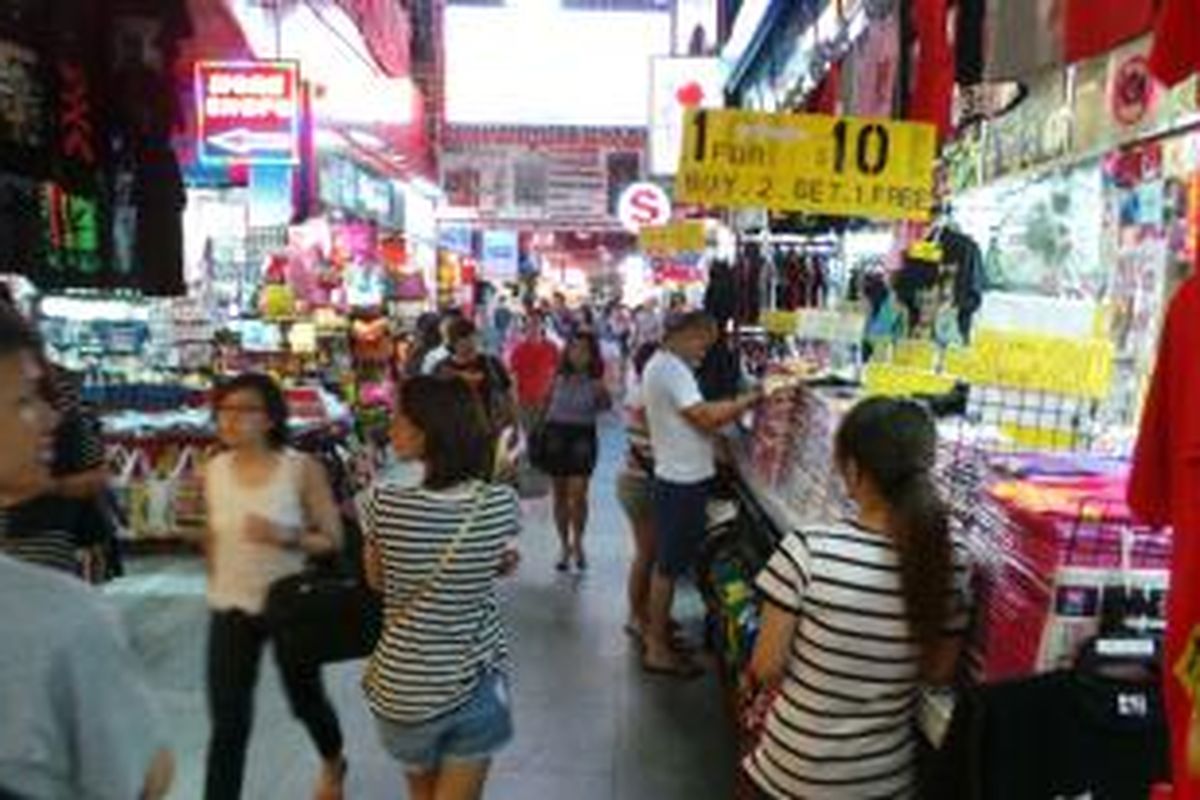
[475,731]
[681,522]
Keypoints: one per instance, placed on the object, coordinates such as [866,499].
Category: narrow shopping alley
[590,725]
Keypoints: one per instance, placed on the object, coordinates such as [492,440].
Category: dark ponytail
[894,444]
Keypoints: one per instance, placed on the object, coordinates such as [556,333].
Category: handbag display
[326,613]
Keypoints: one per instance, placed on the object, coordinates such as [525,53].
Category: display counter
[156,460]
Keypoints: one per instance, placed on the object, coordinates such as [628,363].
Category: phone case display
[1061,558]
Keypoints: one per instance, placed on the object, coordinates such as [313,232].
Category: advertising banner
[671,239]
[813,163]
[249,112]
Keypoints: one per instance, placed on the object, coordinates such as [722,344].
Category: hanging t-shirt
[1022,39]
[1060,735]
[1176,51]
[932,90]
[1094,27]
[876,68]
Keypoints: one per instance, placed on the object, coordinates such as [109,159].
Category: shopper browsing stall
[268,507]
[857,616]
[682,427]
[569,441]
[78,716]
[436,683]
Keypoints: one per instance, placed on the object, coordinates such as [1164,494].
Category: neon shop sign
[249,112]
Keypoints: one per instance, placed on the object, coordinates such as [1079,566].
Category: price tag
[889,380]
[779,323]
[915,353]
[1034,362]
[820,325]
[672,239]
[818,164]
[926,251]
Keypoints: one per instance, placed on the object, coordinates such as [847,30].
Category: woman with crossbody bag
[437,683]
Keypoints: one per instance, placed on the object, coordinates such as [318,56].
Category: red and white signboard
[642,205]
[249,112]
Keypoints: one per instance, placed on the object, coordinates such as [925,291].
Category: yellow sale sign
[839,166]
[672,238]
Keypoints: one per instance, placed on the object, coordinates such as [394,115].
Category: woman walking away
[858,615]
[570,444]
[436,683]
[268,507]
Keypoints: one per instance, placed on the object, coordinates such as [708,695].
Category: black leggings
[235,645]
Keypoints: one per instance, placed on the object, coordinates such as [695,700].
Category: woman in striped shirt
[857,616]
[436,683]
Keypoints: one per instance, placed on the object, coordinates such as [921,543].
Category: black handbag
[325,614]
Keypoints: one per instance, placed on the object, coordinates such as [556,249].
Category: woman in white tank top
[268,508]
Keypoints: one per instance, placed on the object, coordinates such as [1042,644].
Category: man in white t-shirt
[682,426]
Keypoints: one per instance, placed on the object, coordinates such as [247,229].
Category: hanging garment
[1164,489]
[1094,27]
[750,282]
[1176,51]
[1062,734]
[932,89]
[968,41]
[818,282]
[876,69]
[964,254]
[1022,39]
[720,297]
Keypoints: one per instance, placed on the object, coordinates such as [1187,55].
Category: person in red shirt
[533,363]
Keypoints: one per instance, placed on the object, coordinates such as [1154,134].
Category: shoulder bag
[326,613]
[399,616]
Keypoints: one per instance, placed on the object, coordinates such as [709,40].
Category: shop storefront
[1023,305]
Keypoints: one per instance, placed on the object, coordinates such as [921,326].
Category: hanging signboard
[643,204]
[672,238]
[249,112]
[817,164]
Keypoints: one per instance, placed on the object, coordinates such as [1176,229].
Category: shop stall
[1020,298]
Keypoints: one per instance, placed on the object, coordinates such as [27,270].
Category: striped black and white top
[842,724]
[429,662]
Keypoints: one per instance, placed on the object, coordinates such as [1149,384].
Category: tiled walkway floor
[590,726]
